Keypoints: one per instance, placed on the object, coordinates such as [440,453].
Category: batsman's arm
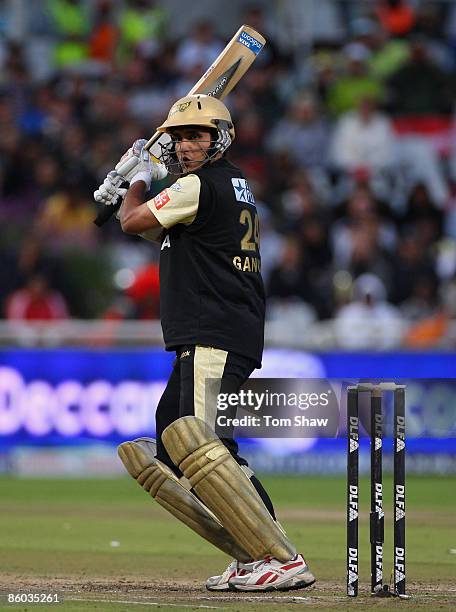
[135,216]
[168,208]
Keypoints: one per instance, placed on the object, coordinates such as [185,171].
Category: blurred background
[345,129]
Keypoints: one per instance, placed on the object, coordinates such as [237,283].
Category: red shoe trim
[287,567]
[264,578]
[273,579]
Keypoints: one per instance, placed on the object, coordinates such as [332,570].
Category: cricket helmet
[199,110]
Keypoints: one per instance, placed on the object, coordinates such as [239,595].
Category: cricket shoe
[234,569]
[274,575]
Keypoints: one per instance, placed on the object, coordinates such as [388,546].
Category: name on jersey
[247,263]
[242,191]
[161,199]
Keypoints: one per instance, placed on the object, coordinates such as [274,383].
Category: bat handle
[107,212]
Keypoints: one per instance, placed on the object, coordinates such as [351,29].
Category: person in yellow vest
[71,26]
[142,25]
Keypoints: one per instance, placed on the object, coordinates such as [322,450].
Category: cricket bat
[218,80]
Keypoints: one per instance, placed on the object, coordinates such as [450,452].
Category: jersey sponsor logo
[176,186]
[161,199]
[250,42]
[242,191]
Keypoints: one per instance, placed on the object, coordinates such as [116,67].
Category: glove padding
[145,169]
[113,189]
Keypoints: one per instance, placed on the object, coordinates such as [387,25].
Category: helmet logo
[179,108]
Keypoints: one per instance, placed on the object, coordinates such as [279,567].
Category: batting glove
[113,189]
[137,165]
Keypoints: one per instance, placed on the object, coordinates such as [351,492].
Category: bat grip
[108,211]
[105,214]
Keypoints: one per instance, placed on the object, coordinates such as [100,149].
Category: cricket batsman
[212,309]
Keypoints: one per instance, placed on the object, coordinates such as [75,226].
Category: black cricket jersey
[211,290]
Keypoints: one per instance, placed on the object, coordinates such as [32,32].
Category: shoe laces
[265,561]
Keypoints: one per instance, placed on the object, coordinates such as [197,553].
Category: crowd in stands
[349,147]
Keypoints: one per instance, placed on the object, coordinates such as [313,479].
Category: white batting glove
[137,165]
[113,189]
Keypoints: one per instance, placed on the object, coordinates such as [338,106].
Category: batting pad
[223,486]
[159,481]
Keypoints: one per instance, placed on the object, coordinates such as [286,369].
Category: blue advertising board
[67,397]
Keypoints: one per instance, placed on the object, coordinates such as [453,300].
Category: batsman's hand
[113,189]
[138,165]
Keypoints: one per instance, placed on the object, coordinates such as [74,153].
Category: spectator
[417,163]
[430,23]
[145,293]
[36,302]
[142,24]
[248,146]
[263,92]
[432,88]
[70,22]
[423,302]
[200,49]
[356,83]
[298,201]
[13,181]
[288,279]
[289,308]
[411,262]
[303,134]
[423,217]
[318,258]
[389,54]
[105,35]
[366,252]
[369,321]
[33,260]
[47,175]
[396,16]
[361,209]
[66,218]
[363,141]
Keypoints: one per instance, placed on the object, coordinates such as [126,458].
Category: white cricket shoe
[234,569]
[274,575]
